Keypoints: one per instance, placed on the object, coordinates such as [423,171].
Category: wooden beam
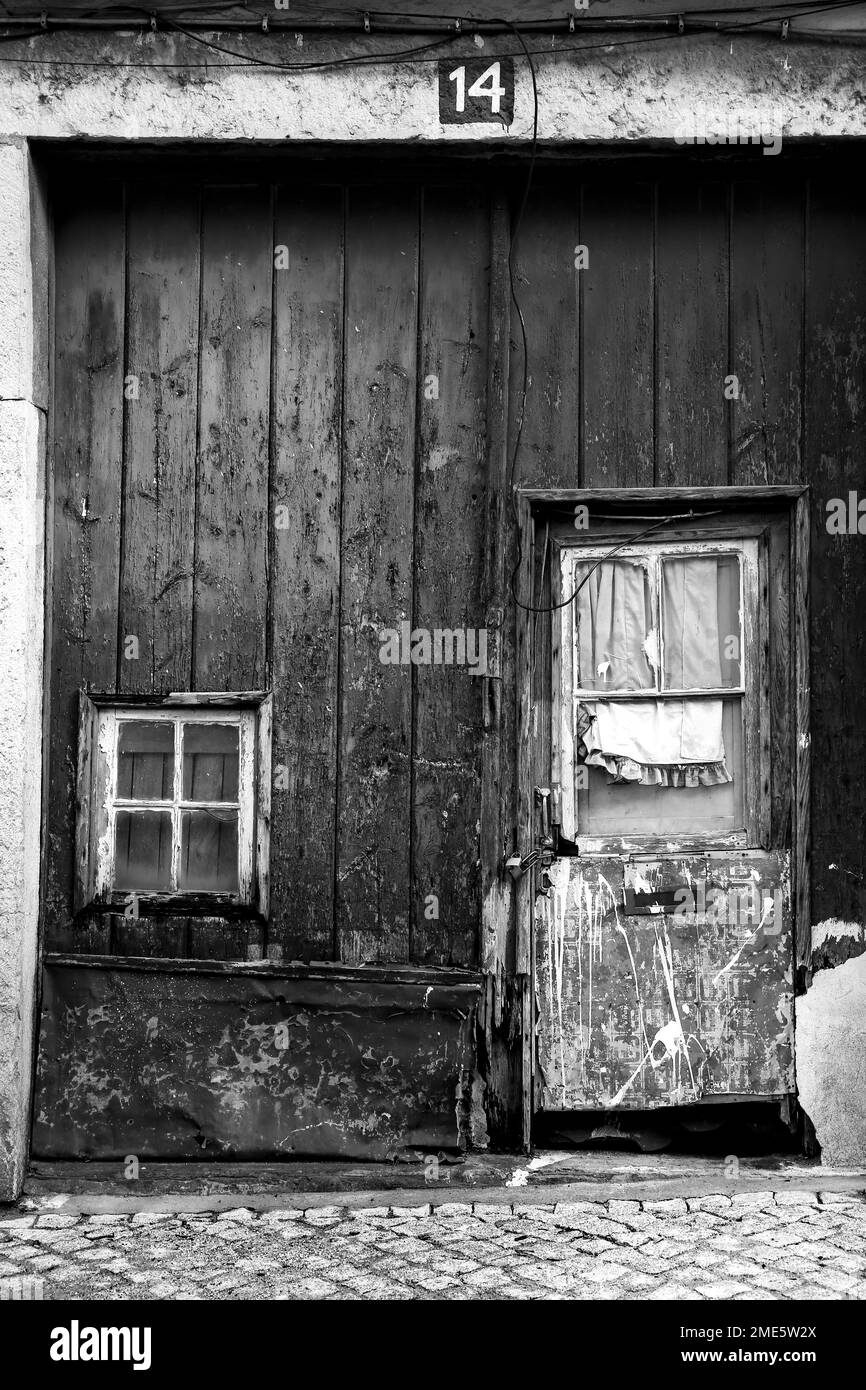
[730,496]
[800,559]
[502,1009]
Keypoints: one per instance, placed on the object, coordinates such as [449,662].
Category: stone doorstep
[492,1204]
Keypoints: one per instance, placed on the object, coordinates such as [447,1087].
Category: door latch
[519,864]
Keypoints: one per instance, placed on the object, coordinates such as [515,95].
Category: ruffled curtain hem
[677,775]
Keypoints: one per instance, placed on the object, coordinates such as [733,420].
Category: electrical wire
[420,53]
[472,23]
[356,60]
[379,58]
[614,550]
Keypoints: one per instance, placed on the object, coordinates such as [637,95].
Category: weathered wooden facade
[289,412]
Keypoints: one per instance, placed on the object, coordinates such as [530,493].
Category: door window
[661,680]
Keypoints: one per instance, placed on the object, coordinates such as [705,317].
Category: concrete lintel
[166,87]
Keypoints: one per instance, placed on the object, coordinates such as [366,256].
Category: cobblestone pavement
[754,1245]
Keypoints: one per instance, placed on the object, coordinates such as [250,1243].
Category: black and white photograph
[433,649]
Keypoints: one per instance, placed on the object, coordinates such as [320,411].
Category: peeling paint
[668,1007]
[173,1065]
[835,930]
[834,942]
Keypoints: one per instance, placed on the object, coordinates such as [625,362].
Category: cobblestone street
[791,1245]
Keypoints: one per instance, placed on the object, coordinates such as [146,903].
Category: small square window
[174,804]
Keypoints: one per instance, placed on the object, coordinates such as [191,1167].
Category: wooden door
[663,941]
[642,1006]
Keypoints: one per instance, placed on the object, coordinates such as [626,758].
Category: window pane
[145,759]
[701,622]
[142,850]
[608,808]
[209,851]
[210,762]
[617,646]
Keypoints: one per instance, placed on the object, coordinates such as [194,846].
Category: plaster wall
[23,306]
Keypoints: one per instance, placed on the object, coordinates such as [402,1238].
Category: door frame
[531,503]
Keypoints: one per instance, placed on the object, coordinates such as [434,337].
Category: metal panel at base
[198,1063]
[689,997]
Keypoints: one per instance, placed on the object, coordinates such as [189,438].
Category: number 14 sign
[476,90]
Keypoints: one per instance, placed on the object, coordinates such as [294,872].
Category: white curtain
[673,742]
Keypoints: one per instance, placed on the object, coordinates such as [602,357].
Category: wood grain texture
[159,475]
[87,474]
[449,543]
[529,817]
[835,448]
[85,811]
[383,793]
[231,556]
[548,289]
[767,331]
[496,771]
[502,1012]
[305,568]
[692,333]
[778,607]
[162,337]
[800,568]
[616,226]
[230,593]
[374,812]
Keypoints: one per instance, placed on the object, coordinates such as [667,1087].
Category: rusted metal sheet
[664,982]
[192,1063]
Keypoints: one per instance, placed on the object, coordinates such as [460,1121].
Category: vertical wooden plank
[781,684]
[835,447]
[85,856]
[767,331]
[543,710]
[305,569]
[449,542]
[374,815]
[264,740]
[230,586]
[618,326]
[503,1009]
[765,782]
[548,289]
[157,549]
[230,589]
[160,438]
[692,334]
[547,284]
[88,426]
[803,760]
[528,818]
[495,890]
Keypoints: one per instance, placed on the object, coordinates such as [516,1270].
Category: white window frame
[752,693]
[101,718]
